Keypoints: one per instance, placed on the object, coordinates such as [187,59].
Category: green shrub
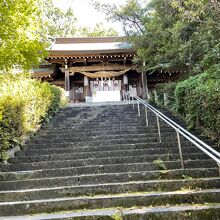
[197,99]
[24,105]
[182,89]
[11,120]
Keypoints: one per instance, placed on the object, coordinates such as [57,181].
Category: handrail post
[165,99]
[158,127]
[180,149]
[218,168]
[146,116]
[139,113]
[132,101]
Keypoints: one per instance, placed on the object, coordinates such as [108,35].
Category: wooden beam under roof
[101,60]
[95,68]
[79,57]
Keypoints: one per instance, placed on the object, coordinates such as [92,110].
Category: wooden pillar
[67,77]
[86,86]
[73,92]
[67,80]
[125,81]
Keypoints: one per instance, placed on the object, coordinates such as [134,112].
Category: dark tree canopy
[171,33]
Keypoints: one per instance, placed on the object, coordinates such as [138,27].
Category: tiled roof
[77,46]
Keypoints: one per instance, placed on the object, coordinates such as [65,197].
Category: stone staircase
[103,163]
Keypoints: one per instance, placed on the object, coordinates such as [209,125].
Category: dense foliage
[171,34]
[24,105]
[20,34]
[56,22]
[197,100]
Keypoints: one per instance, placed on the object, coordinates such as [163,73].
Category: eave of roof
[76,40]
[90,46]
[45,71]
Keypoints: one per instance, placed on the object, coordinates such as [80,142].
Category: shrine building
[95,69]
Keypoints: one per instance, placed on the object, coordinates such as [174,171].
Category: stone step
[107,126]
[104,124]
[83,131]
[28,167]
[104,142]
[108,117]
[68,143]
[153,137]
[106,157]
[100,132]
[104,121]
[35,150]
[131,117]
[74,163]
[107,201]
[119,155]
[108,188]
[100,137]
[194,211]
[104,130]
[69,175]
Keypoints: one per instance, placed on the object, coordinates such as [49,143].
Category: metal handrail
[215,155]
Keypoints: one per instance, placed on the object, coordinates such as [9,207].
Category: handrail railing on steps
[215,155]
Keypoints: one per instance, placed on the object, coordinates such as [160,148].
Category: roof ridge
[90,40]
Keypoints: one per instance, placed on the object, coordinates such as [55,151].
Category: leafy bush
[197,98]
[24,105]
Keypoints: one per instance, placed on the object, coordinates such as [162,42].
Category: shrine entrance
[104,90]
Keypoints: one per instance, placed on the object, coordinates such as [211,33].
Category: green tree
[204,44]
[171,33]
[98,31]
[131,15]
[20,34]
[59,23]
[56,22]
